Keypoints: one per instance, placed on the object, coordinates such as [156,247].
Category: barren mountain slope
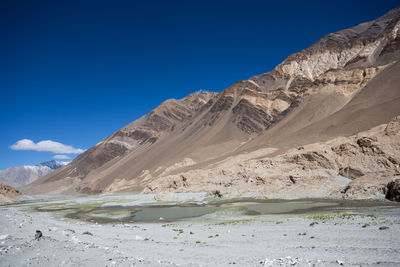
[136,136]
[356,167]
[345,83]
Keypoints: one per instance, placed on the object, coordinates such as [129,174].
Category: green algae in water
[95,211]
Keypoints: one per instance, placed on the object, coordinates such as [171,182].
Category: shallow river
[115,210]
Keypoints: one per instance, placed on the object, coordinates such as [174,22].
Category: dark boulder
[38,235]
[393,190]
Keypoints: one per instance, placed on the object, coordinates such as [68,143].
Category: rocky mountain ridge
[23,175]
[344,84]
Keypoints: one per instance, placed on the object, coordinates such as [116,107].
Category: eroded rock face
[369,186]
[249,118]
[393,127]
[95,157]
[365,42]
[8,193]
[393,190]
[312,160]
[350,173]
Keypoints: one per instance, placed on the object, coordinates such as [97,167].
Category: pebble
[53,228]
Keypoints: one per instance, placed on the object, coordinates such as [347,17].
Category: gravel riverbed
[366,238]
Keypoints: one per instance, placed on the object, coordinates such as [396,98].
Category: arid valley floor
[281,233]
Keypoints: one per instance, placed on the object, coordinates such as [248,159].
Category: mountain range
[322,123]
[23,175]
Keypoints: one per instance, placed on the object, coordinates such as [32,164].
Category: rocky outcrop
[8,193]
[362,44]
[354,167]
[393,127]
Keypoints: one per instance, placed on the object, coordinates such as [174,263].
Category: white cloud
[61,157]
[45,145]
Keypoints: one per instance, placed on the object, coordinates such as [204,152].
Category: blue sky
[74,72]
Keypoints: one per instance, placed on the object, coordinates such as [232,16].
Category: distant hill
[23,175]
